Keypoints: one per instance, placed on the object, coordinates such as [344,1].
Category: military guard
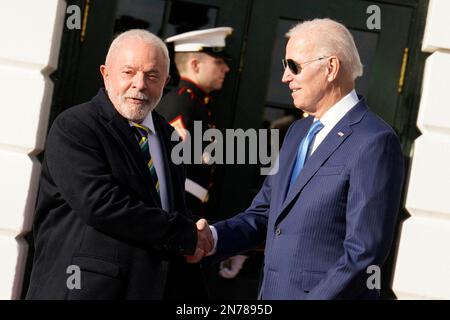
[200,59]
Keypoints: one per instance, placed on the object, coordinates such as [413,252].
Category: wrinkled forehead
[135,50]
[300,46]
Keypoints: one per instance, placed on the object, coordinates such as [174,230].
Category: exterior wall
[30,33]
[423,262]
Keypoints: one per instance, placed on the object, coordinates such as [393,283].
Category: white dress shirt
[158,160]
[333,116]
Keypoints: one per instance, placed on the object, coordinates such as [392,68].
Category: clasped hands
[205,242]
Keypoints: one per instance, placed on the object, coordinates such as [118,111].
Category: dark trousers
[185,281]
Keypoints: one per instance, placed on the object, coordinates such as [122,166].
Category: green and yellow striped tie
[141,133]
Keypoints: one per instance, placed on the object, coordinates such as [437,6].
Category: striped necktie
[142,133]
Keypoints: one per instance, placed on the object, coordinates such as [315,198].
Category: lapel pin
[340,134]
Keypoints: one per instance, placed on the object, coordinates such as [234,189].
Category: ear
[194,64]
[333,68]
[104,72]
[167,80]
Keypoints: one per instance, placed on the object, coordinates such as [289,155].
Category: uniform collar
[196,90]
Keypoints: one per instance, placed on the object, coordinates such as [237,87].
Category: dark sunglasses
[296,67]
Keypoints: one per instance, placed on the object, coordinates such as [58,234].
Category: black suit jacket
[98,211]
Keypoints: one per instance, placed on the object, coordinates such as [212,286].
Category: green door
[262,98]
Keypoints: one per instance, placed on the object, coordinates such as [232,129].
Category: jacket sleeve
[373,201]
[248,229]
[80,169]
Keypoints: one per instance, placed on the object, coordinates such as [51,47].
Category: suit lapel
[121,131]
[124,135]
[341,131]
[287,162]
[328,146]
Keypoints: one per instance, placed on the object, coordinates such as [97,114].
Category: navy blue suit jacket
[338,218]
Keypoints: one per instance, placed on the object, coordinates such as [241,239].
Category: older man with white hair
[328,216]
[111,205]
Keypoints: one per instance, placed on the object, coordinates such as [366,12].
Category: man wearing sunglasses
[328,215]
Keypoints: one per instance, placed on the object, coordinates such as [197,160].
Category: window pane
[278,94]
[139,14]
[185,16]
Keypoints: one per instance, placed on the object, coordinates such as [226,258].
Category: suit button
[278,231]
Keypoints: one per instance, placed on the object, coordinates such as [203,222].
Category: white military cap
[210,41]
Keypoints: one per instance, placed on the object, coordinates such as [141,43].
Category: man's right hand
[205,242]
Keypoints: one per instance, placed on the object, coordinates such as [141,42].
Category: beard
[136,106]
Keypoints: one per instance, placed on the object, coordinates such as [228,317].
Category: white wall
[423,262]
[30,32]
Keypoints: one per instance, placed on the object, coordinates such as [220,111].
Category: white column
[423,262]
[30,33]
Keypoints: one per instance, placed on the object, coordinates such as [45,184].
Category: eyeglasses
[296,67]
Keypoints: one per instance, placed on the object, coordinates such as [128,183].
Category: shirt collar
[336,112]
[148,123]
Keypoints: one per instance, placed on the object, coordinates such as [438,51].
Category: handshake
[205,242]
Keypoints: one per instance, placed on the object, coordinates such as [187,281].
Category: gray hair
[145,36]
[332,38]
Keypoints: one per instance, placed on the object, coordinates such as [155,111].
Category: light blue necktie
[303,150]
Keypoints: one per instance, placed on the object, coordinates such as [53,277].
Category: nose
[139,81]
[226,67]
[287,76]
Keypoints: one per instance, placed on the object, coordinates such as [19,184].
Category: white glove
[230,268]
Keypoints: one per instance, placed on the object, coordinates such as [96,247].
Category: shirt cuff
[215,237]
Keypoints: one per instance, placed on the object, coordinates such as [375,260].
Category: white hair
[145,36]
[332,38]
